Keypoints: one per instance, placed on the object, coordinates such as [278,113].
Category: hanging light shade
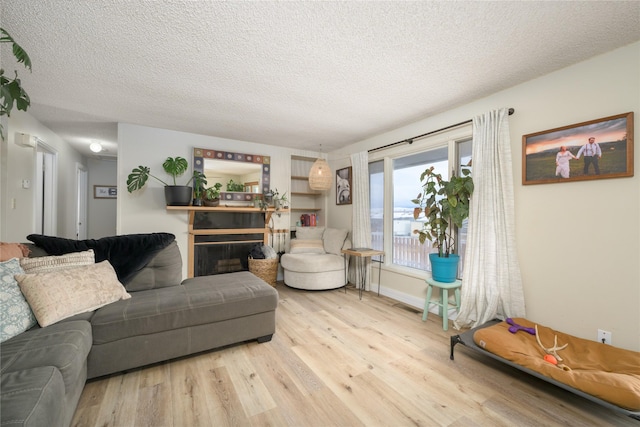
[320,175]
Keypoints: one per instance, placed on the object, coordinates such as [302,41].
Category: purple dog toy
[515,327]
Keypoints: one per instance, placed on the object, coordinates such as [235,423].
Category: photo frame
[597,149]
[343,186]
[105,192]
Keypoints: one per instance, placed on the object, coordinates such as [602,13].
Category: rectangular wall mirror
[249,172]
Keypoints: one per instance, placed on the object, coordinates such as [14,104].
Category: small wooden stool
[443,304]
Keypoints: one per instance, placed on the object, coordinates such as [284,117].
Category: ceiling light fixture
[96,147]
[320,174]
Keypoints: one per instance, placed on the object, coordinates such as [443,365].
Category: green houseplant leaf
[18,51]
[199,181]
[213,193]
[174,166]
[11,90]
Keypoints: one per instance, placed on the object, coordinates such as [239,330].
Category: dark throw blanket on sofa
[128,253]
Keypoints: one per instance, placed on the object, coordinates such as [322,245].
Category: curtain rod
[410,140]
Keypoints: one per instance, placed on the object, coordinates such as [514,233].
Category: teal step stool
[443,303]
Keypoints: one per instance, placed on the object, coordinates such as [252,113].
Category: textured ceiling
[295,74]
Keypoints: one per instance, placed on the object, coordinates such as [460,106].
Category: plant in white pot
[279,201]
[445,205]
[175,195]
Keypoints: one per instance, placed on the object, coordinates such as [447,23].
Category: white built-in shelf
[306,209]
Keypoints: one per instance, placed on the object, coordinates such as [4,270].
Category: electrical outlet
[604,336]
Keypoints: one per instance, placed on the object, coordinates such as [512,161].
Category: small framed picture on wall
[343,186]
[105,192]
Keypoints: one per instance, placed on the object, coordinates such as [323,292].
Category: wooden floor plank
[337,360]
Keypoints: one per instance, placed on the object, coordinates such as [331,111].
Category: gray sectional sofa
[43,370]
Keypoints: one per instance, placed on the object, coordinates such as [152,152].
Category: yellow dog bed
[605,372]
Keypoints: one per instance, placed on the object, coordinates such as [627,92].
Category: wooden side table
[361,255]
[443,304]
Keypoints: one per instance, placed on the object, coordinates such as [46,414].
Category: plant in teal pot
[444,205]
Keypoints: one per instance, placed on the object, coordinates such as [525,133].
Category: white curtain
[361,213]
[491,284]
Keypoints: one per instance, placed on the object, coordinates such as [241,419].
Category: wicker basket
[266,269]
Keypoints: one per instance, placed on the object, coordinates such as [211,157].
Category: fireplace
[221,238]
[214,257]
[228,251]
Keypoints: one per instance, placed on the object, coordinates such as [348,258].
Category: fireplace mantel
[193,232]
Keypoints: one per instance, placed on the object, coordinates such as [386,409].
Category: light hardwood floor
[336,360]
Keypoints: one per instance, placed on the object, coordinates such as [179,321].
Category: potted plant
[212,195]
[175,195]
[445,205]
[267,197]
[278,200]
[199,181]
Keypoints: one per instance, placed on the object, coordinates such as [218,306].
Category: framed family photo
[597,149]
[343,186]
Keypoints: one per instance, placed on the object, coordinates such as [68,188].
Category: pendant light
[320,174]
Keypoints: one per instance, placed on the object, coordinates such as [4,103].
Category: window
[407,249]
[392,216]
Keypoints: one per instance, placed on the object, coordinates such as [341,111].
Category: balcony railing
[409,252]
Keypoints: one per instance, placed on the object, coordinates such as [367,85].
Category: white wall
[101,213]
[578,242]
[19,163]
[144,211]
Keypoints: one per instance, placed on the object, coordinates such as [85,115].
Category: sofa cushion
[333,239]
[164,269]
[32,397]
[15,314]
[12,250]
[128,253]
[304,246]
[312,263]
[309,233]
[64,346]
[60,294]
[198,301]
[47,264]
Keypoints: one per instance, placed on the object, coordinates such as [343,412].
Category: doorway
[82,185]
[46,190]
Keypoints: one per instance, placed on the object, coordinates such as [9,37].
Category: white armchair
[314,260]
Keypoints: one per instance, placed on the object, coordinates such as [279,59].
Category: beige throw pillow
[47,264]
[60,294]
[309,233]
[333,240]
